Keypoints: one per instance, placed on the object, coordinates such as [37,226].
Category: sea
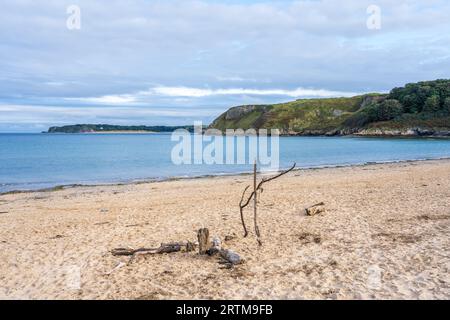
[41,161]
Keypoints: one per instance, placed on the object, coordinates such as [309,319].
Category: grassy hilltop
[417,109]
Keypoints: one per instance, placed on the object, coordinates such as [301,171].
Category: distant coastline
[413,132]
[109,132]
[108,128]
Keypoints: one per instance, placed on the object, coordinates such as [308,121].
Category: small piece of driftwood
[315,209]
[190,246]
[230,257]
[203,240]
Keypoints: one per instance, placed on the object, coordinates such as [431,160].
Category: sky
[176,62]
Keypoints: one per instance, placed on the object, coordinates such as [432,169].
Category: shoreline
[445,135]
[59,187]
[106,132]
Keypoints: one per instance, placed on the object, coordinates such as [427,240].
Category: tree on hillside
[422,96]
[447,105]
[411,103]
[389,109]
[432,104]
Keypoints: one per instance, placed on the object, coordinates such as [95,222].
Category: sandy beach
[385,235]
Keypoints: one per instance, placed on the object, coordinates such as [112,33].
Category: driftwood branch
[264,180]
[253,195]
[130,252]
[241,210]
[163,248]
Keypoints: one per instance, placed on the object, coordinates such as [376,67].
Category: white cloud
[108,99]
[233,78]
[199,92]
[184,94]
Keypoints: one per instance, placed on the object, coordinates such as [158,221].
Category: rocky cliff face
[236,113]
[369,99]
[231,119]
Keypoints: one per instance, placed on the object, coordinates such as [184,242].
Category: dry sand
[385,235]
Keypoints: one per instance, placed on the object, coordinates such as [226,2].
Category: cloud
[263,52]
[241,79]
[184,94]
[234,79]
[198,92]
[108,100]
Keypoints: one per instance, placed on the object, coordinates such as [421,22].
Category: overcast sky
[173,62]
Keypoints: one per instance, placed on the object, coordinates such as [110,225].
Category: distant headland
[107,128]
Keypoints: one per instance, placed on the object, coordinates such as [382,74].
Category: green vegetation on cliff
[424,105]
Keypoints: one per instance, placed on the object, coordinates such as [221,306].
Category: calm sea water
[35,161]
